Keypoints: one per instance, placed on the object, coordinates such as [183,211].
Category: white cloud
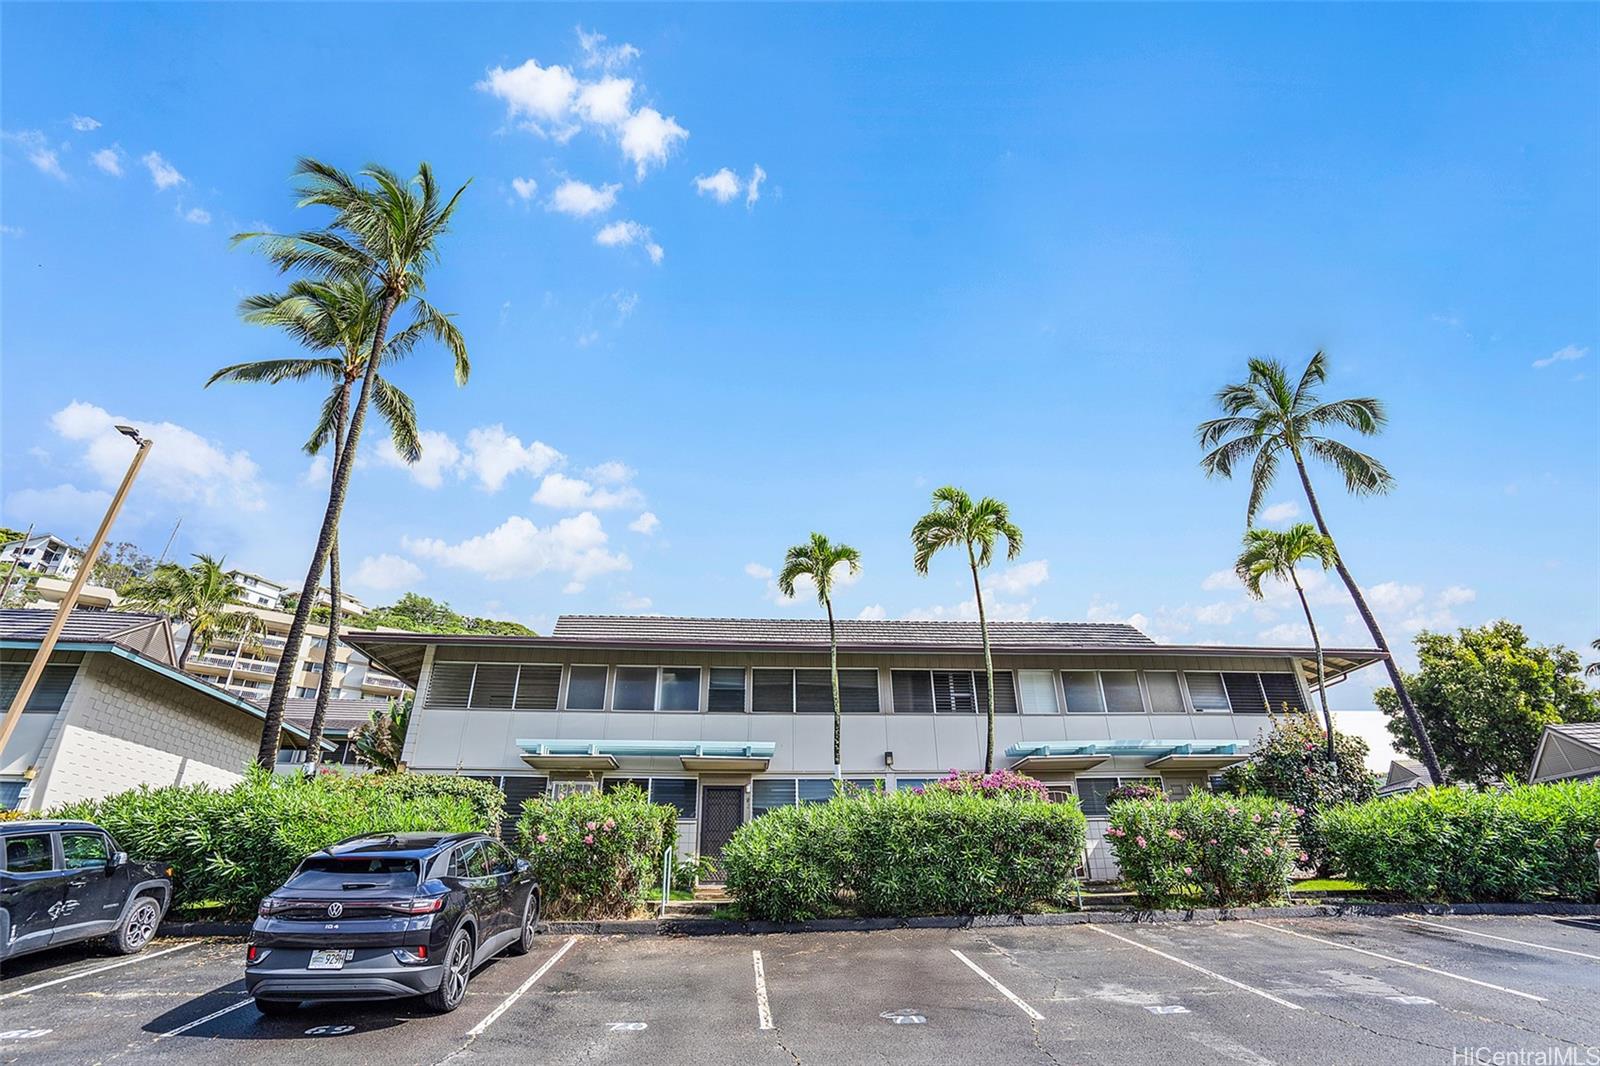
[625,233]
[37,148]
[626,302]
[163,173]
[1392,596]
[517,548]
[630,602]
[1219,579]
[1219,614]
[182,465]
[580,199]
[11,231]
[610,472]
[757,571]
[752,188]
[596,53]
[873,613]
[198,215]
[539,96]
[494,454]
[65,506]
[607,102]
[573,494]
[1281,512]
[1020,578]
[525,188]
[1285,633]
[318,471]
[83,123]
[998,611]
[108,160]
[439,456]
[648,138]
[647,523]
[1456,595]
[387,573]
[722,186]
[805,590]
[1562,355]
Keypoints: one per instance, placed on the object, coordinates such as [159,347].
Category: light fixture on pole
[42,657]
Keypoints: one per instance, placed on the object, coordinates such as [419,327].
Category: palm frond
[401,415]
[1262,473]
[1364,414]
[273,371]
[1363,474]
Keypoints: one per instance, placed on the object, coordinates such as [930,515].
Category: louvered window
[815,789]
[727,689]
[1162,688]
[952,692]
[1005,692]
[813,691]
[537,687]
[586,688]
[913,691]
[48,694]
[773,691]
[449,684]
[1282,691]
[1083,692]
[770,793]
[1039,692]
[1206,692]
[1122,691]
[493,686]
[858,691]
[1244,693]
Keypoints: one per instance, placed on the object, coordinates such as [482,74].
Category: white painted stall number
[904,1016]
[330,1030]
[1169,1009]
[627,1027]
[1410,1001]
[23,1034]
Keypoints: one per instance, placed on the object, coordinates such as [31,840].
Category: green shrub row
[597,853]
[1448,844]
[1218,850]
[229,847]
[903,853]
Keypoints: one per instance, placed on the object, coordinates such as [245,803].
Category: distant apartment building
[43,553]
[261,591]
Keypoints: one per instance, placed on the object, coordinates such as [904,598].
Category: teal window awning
[1152,749]
[702,749]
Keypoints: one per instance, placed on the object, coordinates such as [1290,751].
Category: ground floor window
[679,792]
[1092,791]
[768,793]
[518,789]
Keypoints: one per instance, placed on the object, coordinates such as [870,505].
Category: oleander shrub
[229,847]
[487,801]
[1134,790]
[938,851]
[992,784]
[1219,851]
[1450,844]
[597,854]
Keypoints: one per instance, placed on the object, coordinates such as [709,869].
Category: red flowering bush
[596,853]
[1134,790]
[998,783]
[1228,850]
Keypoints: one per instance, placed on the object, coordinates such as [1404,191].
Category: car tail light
[270,906]
[412,956]
[425,905]
[255,954]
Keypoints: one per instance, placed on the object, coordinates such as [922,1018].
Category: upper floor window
[494,686]
[727,692]
[952,692]
[811,691]
[651,688]
[586,688]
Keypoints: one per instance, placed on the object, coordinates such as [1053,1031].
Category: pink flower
[1233,810]
[611,823]
[1304,857]
[1212,842]
[1244,851]
[1267,850]
[1255,817]
[588,838]
[543,838]
[1139,840]
[1298,811]
[1115,833]
[1175,834]
[1188,870]
[590,826]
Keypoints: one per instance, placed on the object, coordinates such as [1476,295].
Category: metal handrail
[666,880]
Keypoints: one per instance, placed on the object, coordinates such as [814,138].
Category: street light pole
[81,578]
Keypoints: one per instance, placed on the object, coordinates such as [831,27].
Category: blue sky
[1016,249]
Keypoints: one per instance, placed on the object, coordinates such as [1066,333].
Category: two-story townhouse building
[728,718]
[44,553]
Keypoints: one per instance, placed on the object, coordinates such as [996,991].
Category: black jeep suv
[378,917]
[61,882]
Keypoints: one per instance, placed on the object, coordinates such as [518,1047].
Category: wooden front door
[721,812]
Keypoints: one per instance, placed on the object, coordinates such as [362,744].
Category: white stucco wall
[124,726]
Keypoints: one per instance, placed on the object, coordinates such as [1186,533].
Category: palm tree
[1593,669]
[199,596]
[957,520]
[335,318]
[381,739]
[817,559]
[1266,419]
[386,234]
[1271,553]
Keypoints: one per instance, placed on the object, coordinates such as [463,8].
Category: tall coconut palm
[956,520]
[1267,419]
[818,559]
[1593,669]
[1276,553]
[335,318]
[385,232]
[200,596]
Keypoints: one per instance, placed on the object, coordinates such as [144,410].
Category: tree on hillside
[819,559]
[119,564]
[957,521]
[1276,553]
[201,596]
[1485,695]
[385,233]
[420,614]
[1267,419]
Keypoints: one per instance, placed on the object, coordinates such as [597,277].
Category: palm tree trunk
[833,669]
[325,682]
[1414,720]
[188,643]
[1322,673]
[271,730]
[988,660]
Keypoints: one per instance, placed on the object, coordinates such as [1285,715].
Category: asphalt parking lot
[1412,990]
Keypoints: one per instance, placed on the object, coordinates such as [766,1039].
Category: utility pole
[5,590]
[168,546]
[81,578]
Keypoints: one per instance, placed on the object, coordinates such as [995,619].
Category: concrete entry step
[713,893]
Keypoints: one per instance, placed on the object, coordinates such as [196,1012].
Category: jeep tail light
[426,905]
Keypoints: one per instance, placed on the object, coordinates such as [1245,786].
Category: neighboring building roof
[341,716]
[40,538]
[402,653]
[1404,775]
[111,632]
[1569,751]
[932,634]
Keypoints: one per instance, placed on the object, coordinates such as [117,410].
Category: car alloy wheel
[142,923]
[458,970]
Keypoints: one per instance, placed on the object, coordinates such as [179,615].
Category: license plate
[333,959]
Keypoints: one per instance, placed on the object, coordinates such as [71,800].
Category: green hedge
[1457,846]
[596,854]
[904,854]
[230,847]
[1221,850]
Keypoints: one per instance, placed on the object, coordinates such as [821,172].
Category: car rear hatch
[364,900]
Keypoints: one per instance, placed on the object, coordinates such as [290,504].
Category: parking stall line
[1402,962]
[1199,969]
[98,969]
[505,1004]
[186,1026]
[763,1008]
[1002,989]
[1503,939]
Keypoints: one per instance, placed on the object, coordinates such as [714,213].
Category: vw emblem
[335,909]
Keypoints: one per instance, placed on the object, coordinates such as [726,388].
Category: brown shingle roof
[885,633]
[84,625]
[341,716]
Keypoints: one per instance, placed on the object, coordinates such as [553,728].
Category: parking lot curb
[194,929]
